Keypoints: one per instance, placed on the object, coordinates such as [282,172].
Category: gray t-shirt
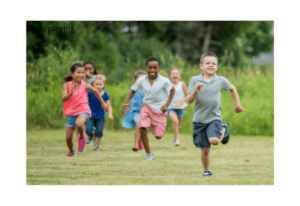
[208,100]
[157,94]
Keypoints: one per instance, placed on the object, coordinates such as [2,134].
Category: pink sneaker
[71,154]
[81,144]
[141,146]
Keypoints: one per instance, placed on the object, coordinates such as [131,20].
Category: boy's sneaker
[97,149]
[176,143]
[71,154]
[150,156]
[207,173]
[141,146]
[226,135]
[81,144]
[89,139]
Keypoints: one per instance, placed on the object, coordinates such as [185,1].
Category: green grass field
[245,160]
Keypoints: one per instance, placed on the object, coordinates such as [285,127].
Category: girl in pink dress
[76,106]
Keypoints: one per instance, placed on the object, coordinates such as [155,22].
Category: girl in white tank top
[176,113]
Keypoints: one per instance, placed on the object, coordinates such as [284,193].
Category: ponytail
[68,78]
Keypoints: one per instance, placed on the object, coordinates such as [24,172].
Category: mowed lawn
[245,160]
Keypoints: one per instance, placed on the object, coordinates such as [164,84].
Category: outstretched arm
[235,95]
[165,107]
[110,116]
[127,99]
[98,95]
[191,97]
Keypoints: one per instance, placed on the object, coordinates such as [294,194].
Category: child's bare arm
[165,107]
[98,95]
[110,116]
[65,95]
[235,95]
[127,99]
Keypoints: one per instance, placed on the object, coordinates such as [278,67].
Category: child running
[90,71]
[176,111]
[75,100]
[206,89]
[159,93]
[131,119]
[98,114]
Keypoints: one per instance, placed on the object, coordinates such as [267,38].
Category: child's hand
[125,110]
[164,108]
[110,117]
[198,87]
[238,109]
[177,104]
[75,86]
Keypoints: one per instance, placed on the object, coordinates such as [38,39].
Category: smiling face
[152,69]
[89,68]
[174,75]
[99,84]
[78,74]
[210,65]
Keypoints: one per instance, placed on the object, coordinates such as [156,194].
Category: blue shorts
[131,118]
[179,112]
[72,119]
[98,123]
[203,131]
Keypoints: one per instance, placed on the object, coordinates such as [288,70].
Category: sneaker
[176,143]
[150,156]
[81,144]
[226,135]
[97,149]
[207,173]
[136,148]
[89,139]
[71,154]
[141,146]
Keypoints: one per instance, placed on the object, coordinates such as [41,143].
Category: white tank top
[178,96]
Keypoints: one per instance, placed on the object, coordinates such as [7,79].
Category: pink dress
[78,102]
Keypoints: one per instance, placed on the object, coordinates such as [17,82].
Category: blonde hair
[208,54]
[98,77]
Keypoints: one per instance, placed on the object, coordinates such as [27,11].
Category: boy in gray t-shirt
[206,89]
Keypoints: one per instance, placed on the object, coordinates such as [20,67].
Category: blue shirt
[137,100]
[95,105]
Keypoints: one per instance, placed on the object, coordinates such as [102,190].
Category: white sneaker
[150,156]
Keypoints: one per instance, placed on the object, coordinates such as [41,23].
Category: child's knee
[79,125]
[214,140]
[175,121]
[143,129]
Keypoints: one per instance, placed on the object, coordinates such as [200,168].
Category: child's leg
[89,127]
[137,136]
[205,158]
[69,137]
[215,132]
[145,140]
[97,141]
[99,131]
[175,122]
[81,120]
[216,140]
